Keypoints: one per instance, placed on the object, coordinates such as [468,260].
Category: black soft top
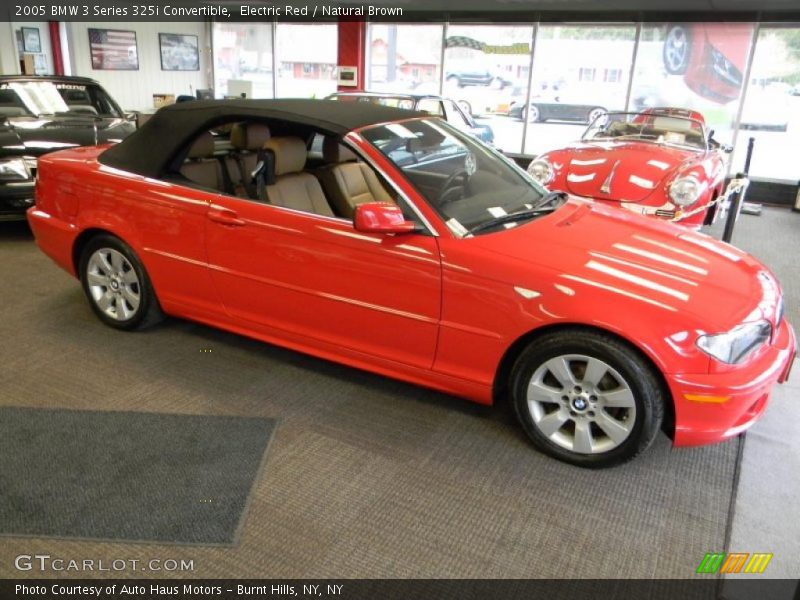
[150,148]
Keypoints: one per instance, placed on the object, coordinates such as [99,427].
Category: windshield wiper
[520,215]
[549,198]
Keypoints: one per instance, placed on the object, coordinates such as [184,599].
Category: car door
[316,281]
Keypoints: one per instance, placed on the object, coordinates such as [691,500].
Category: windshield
[469,184]
[651,127]
[40,98]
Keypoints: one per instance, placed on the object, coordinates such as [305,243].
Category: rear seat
[201,167]
[247,139]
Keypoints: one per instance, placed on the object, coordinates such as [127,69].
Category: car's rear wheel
[587,398]
[532,114]
[676,50]
[116,284]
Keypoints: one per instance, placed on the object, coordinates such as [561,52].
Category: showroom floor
[368,477]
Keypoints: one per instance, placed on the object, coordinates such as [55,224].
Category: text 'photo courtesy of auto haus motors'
[392,241]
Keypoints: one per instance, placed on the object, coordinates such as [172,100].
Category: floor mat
[126,475]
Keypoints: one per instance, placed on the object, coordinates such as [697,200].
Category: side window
[431,106]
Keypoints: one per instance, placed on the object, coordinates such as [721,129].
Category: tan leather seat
[201,166]
[294,188]
[348,181]
[247,139]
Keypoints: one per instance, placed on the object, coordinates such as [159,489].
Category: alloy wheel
[676,50]
[581,404]
[113,284]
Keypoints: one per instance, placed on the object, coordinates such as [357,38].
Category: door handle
[225,216]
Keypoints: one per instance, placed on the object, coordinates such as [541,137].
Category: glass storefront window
[486,72]
[404,58]
[579,71]
[243,52]
[306,59]
[771,111]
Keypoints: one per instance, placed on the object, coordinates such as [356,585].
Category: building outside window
[404,58]
[243,51]
[307,55]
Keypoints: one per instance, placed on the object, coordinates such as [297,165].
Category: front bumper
[700,420]
[691,217]
[15,199]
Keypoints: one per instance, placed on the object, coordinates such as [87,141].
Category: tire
[465,106]
[117,286]
[454,80]
[677,50]
[571,421]
[532,114]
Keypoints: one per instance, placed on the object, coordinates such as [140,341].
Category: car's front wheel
[116,284]
[587,398]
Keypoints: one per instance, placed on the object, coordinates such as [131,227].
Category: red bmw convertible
[390,241]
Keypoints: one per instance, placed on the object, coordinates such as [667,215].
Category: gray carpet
[767,518]
[367,477]
[127,476]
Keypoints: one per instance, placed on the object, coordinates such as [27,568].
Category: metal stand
[736,203]
[796,207]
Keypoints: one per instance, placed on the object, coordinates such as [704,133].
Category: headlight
[684,190]
[734,346]
[14,170]
[541,171]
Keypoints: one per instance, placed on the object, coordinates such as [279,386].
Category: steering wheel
[453,186]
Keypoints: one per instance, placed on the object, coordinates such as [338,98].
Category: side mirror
[131,116]
[381,217]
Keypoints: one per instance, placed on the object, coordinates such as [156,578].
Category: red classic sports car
[661,162]
[411,249]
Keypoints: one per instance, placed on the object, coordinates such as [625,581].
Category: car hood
[623,171]
[34,136]
[642,262]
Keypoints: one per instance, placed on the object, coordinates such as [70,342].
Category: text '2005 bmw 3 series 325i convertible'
[390,241]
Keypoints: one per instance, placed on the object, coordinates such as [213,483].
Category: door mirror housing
[381,217]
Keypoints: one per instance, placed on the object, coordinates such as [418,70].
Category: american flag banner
[113,49]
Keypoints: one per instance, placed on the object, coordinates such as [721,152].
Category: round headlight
[684,190]
[541,171]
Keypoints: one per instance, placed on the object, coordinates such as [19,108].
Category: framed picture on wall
[113,49]
[31,42]
[179,52]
